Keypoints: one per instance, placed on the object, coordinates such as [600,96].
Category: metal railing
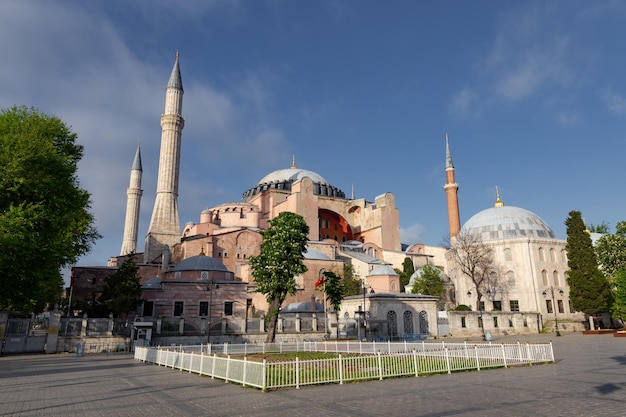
[364,361]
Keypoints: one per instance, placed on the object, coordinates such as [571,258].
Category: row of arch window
[508,255]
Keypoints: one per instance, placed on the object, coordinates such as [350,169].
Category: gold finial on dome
[499,202]
[293,162]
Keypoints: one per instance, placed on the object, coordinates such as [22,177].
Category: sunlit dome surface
[293,175]
[282,179]
[507,222]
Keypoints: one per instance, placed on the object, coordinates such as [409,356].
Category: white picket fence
[364,360]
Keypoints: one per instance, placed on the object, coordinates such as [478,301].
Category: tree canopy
[45,218]
[429,282]
[588,288]
[474,259]
[334,291]
[280,260]
[121,292]
[407,271]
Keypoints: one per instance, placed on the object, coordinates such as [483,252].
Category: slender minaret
[133,202]
[164,226]
[452,189]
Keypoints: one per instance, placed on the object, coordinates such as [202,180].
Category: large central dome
[506,222]
[283,178]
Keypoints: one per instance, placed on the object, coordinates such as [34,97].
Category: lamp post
[211,286]
[480,308]
[554,307]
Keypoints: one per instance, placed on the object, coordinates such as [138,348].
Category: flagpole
[325,314]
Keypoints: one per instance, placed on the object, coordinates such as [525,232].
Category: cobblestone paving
[588,379]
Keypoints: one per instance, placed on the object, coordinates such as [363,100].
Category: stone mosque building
[198,277]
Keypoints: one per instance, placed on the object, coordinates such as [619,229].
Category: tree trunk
[273,320]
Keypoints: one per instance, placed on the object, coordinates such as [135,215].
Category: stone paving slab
[588,379]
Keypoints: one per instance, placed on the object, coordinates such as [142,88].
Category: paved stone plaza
[588,379]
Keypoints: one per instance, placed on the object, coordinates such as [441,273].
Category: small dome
[200,263]
[383,270]
[507,222]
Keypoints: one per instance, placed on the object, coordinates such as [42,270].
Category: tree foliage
[121,292]
[351,282]
[429,282]
[45,219]
[407,271]
[334,291]
[618,308]
[599,228]
[611,251]
[280,260]
[474,259]
[588,288]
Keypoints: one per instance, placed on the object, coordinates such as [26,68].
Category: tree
[45,219]
[429,282]
[611,251]
[335,291]
[351,282]
[121,292]
[619,305]
[599,228]
[407,271]
[280,260]
[588,288]
[474,259]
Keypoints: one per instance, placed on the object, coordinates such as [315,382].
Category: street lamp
[554,307]
[480,308]
[361,314]
[210,287]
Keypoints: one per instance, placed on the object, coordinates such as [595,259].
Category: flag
[319,281]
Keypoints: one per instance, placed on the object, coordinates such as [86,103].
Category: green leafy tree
[335,291]
[619,304]
[407,271]
[429,282]
[121,292]
[611,251]
[280,260]
[351,281]
[588,287]
[45,219]
[599,228]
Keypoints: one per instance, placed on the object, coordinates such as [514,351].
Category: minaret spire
[452,188]
[164,229]
[133,203]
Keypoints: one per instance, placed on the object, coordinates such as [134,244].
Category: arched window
[542,255]
[544,277]
[507,255]
[552,255]
[408,322]
[423,322]
[555,277]
[510,279]
[392,324]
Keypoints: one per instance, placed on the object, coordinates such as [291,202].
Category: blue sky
[532,95]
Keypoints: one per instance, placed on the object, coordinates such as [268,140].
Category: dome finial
[293,162]
[499,202]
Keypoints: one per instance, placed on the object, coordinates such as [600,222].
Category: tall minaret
[133,202]
[452,189]
[165,226]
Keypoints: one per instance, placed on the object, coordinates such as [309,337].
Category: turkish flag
[319,281]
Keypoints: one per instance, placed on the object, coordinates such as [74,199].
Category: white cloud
[412,234]
[465,104]
[614,102]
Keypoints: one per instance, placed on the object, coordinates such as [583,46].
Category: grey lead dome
[507,222]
